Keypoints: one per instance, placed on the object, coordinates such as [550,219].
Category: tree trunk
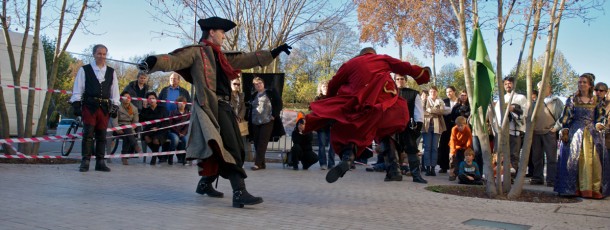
[549,52]
[33,75]
[59,49]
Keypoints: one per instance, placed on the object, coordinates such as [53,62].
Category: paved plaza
[140,196]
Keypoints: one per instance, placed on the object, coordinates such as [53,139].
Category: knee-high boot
[414,166]
[241,196]
[100,151]
[87,148]
[391,160]
[347,156]
[205,187]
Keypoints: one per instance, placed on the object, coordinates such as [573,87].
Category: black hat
[215,23]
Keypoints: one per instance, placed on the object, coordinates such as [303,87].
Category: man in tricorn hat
[214,138]
[363,105]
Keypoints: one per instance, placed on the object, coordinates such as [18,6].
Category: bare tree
[16,65]
[260,24]
[68,11]
[420,23]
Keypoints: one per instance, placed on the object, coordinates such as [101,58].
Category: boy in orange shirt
[461,139]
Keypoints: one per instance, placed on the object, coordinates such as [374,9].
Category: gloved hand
[284,47]
[147,64]
[76,108]
[114,111]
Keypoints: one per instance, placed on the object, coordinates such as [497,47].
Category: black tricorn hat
[215,23]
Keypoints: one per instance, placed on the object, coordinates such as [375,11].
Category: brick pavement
[140,196]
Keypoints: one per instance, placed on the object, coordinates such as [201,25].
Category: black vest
[93,88]
[409,95]
[97,94]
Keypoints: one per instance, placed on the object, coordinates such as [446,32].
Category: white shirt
[451,104]
[418,114]
[79,84]
[518,99]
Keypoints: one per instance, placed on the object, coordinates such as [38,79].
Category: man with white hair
[545,137]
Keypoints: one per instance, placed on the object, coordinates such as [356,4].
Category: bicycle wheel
[68,143]
[115,143]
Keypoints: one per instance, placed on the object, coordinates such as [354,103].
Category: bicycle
[68,143]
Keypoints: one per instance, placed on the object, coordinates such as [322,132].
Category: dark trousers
[463,179]
[454,161]
[307,158]
[129,142]
[515,150]
[94,125]
[544,144]
[443,150]
[261,136]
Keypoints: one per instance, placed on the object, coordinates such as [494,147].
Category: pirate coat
[197,66]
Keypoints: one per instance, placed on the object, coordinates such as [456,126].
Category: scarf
[128,108]
[224,63]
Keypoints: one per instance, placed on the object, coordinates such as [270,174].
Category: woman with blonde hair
[324,135]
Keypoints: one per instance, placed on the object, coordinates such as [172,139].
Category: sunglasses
[601,90]
[236,84]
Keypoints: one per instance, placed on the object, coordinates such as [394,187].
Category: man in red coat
[362,105]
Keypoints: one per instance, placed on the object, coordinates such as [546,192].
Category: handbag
[243,128]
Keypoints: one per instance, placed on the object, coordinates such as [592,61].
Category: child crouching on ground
[469,172]
[460,140]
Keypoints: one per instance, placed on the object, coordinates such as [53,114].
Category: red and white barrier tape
[166,127]
[78,135]
[157,100]
[106,156]
[36,89]
[145,123]
[70,92]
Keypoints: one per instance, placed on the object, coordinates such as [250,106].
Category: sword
[108,59]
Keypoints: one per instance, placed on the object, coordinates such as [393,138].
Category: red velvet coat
[362,103]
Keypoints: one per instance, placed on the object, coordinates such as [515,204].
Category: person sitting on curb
[469,172]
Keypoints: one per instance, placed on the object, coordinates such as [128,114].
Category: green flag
[484,76]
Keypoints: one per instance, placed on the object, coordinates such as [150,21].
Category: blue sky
[126,29]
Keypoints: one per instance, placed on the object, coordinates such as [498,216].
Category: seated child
[460,140]
[469,172]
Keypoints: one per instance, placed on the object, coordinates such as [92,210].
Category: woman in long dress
[583,156]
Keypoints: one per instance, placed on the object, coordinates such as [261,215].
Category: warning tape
[149,131]
[106,156]
[36,89]
[70,92]
[78,135]
[146,122]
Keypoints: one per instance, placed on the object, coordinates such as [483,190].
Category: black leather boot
[241,196]
[415,172]
[204,187]
[87,148]
[432,171]
[347,156]
[100,164]
[391,161]
[153,160]
[428,171]
[84,164]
